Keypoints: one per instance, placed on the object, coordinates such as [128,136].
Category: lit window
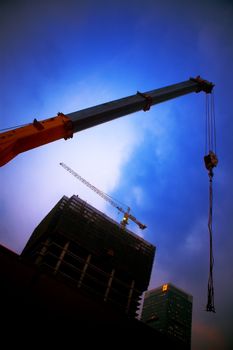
[165,287]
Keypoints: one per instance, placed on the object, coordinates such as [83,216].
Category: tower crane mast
[127,214]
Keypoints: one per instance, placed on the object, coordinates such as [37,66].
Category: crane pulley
[105,196]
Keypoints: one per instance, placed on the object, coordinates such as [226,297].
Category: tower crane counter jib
[109,199]
[38,133]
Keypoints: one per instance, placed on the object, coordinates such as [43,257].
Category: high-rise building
[92,252]
[168,309]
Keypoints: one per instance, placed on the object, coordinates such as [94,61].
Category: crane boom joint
[148,99]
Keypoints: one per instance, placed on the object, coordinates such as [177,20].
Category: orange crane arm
[34,135]
[42,132]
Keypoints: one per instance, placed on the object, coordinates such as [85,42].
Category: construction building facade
[92,252]
[168,309]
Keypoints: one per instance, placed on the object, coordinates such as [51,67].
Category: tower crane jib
[127,214]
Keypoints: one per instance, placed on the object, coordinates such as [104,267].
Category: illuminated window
[165,287]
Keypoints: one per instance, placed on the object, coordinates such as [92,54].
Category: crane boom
[127,215]
[39,133]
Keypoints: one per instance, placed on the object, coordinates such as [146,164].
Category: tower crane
[38,133]
[127,214]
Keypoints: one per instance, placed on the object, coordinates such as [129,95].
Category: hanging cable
[211,161]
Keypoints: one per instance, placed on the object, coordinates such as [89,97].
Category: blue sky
[63,56]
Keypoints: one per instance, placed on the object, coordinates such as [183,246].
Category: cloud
[207,337]
[137,193]
[195,239]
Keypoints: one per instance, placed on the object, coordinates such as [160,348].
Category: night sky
[63,56]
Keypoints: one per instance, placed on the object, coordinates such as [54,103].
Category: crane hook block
[210,160]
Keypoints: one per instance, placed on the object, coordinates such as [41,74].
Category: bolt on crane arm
[39,133]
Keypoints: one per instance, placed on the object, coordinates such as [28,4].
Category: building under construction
[92,252]
[79,279]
